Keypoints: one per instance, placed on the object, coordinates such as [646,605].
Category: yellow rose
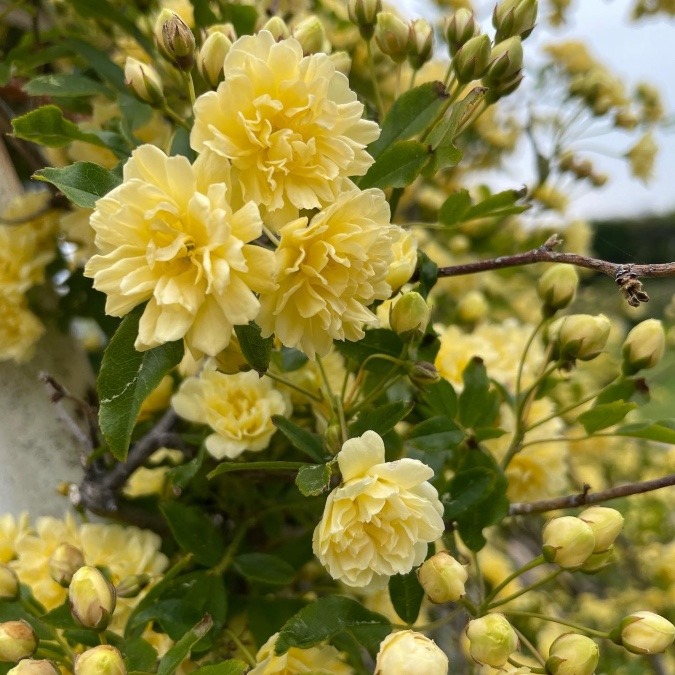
[20,329]
[409,652]
[329,271]
[288,123]
[379,521]
[238,408]
[405,260]
[169,235]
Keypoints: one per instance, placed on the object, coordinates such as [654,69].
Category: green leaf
[303,440]
[441,158]
[445,132]
[66,85]
[60,617]
[500,204]
[427,273]
[139,655]
[406,595]
[377,341]
[268,613]
[180,476]
[231,467]
[99,61]
[397,166]
[179,652]
[328,616]
[662,431]
[292,359]
[125,380]
[625,389]
[441,399]
[454,207]
[605,415]
[256,350]
[411,113]
[264,569]
[229,667]
[478,405]
[382,419]
[435,434]
[242,17]
[313,480]
[83,182]
[195,532]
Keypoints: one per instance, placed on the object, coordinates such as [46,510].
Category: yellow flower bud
[34,667]
[582,336]
[9,584]
[491,640]
[646,633]
[420,43]
[506,60]
[278,27]
[143,80]
[644,346]
[423,373]
[175,40]
[17,640]
[409,316]
[101,660]
[572,654]
[364,13]
[64,562]
[311,35]
[92,598]
[557,287]
[342,62]
[409,652]
[442,578]
[459,29]
[472,59]
[212,57]
[391,35]
[597,562]
[567,542]
[132,585]
[472,308]
[606,524]
[227,29]
[514,17]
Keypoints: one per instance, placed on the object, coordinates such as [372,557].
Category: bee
[631,287]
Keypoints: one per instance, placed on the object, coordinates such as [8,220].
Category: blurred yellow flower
[289,124]
[169,234]
[405,260]
[151,480]
[237,407]
[11,530]
[20,329]
[641,157]
[79,234]
[380,520]
[328,271]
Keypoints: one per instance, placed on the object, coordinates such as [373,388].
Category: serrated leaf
[313,480]
[328,616]
[435,434]
[454,207]
[83,182]
[195,532]
[65,85]
[406,595]
[377,341]
[264,568]
[169,663]
[256,349]
[126,379]
[604,415]
[229,667]
[441,399]
[381,420]
[303,440]
[410,114]
[478,405]
[662,431]
[397,166]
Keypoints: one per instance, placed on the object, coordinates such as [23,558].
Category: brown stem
[587,497]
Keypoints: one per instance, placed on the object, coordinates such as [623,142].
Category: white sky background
[641,51]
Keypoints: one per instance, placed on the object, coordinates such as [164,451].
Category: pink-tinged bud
[409,652]
[92,598]
[391,35]
[363,13]
[17,640]
[175,40]
[644,346]
[459,29]
[9,583]
[101,660]
[583,336]
[420,43]
[572,654]
[606,524]
[557,287]
[34,667]
[491,640]
[442,578]
[64,562]
[645,633]
[143,81]
[567,542]
[211,58]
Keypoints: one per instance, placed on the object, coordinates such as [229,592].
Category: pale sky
[633,51]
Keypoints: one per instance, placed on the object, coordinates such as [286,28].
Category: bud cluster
[579,336]
[400,41]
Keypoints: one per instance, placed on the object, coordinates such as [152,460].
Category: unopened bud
[311,35]
[342,62]
[583,336]
[211,58]
[459,29]
[9,583]
[503,88]
[568,542]
[420,43]
[132,585]
[227,29]
[597,562]
[557,287]
[514,17]
[175,40]
[64,562]
[423,373]
[491,640]
[92,598]
[391,35]
[606,524]
[472,307]
[506,61]
[364,13]
[644,346]
[17,640]
[143,80]
[644,633]
[572,654]
[278,27]
[34,667]
[409,316]
[442,578]
[401,649]
[101,660]
[471,61]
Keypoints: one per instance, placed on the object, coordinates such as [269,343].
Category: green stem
[526,589]
[562,622]
[539,560]
[225,562]
[523,358]
[292,385]
[173,116]
[533,650]
[373,77]
[336,400]
[102,638]
[469,606]
[241,647]
[481,579]
[362,371]
[433,625]
[190,87]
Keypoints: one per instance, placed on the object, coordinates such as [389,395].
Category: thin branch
[587,497]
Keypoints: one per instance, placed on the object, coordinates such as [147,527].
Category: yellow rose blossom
[288,123]
[380,520]
[169,235]
[328,271]
[20,330]
[151,480]
[322,659]
[237,407]
[11,530]
[405,260]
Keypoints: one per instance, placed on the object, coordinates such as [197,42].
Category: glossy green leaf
[313,480]
[256,349]
[83,182]
[454,207]
[303,440]
[605,415]
[65,85]
[478,404]
[382,419]
[125,380]
[500,204]
[440,399]
[435,434]
[47,126]
[406,595]
[264,569]
[397,166]
[169,663]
